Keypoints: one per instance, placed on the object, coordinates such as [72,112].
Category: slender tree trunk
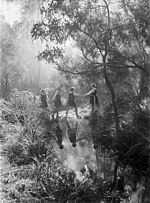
[115,173]
[99,161]
[115,113]
[144,85]
[98,88]
[0,71]
[113,100]
[39,74]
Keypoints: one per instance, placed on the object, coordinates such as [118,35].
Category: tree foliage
[91,25]
[111,42]
[10,72]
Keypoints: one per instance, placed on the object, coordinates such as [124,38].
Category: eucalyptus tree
[108,34]
[88,24]
[105,36]
[132,39]
[10,64]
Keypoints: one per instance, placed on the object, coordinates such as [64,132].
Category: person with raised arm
[93,96]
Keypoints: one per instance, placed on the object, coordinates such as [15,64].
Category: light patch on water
[83,154]
[80,176]
[76,158]
[72,162]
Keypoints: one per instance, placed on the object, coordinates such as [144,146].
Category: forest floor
[6,183]
[1,172]
[5,167]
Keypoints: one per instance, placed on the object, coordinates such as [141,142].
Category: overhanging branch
[93,67]
[76,73]
[84,32]
[138,66]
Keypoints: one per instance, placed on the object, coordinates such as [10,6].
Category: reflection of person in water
[59,136]
[95,146]
[72,134]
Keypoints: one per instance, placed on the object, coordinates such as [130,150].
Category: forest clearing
[74,101]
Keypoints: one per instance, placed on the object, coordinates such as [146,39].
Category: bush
[27,141]
[55,183]
[15,153]
[59,184]
[130,148]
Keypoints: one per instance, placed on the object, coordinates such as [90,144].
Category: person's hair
[95,146]
[43,91]
[74,145]
[93,85]
[72,89]
[61,146]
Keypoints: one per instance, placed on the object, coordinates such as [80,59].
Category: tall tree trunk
[98,87]
[39,74]
[115,173]
[110,87]
[0,71]
[5,86]
[113,100]
[144,84]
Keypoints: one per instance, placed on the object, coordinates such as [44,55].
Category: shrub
[130,148]
[59,184]
[15,153]
[27,140]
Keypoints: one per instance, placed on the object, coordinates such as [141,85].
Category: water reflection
[73,137]
[72,132]
[77,145]
[59,135]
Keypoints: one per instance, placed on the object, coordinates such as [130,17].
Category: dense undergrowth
[37,175]
[131,145]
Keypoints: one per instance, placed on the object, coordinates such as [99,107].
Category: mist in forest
[30,73]
[34,74]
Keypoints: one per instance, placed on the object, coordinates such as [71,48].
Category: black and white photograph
[74,101]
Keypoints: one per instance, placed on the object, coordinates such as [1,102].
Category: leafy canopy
[97,29]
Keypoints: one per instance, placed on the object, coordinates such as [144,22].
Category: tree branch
[95,67]
[84,32]
[133,62]
[76,73]
[138,66]
[107,7]
[86,56]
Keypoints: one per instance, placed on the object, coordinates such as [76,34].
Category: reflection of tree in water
[95,128]
[101,145]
